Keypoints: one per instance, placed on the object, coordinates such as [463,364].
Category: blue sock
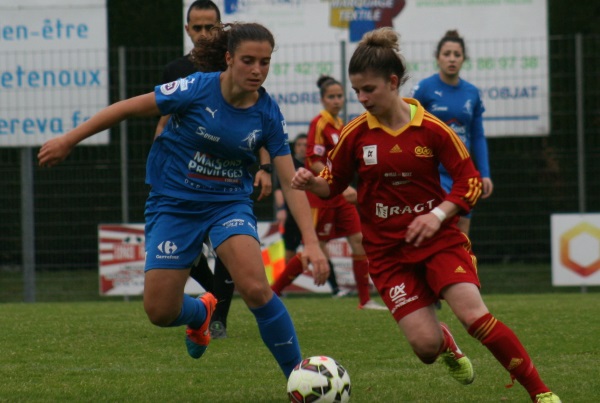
[193,313]
[278,333]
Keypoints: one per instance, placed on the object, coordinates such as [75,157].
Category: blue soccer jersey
[461,108]
[208,145]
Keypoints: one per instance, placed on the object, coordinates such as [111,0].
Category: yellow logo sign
[514,363]
[424,152]
[395,149]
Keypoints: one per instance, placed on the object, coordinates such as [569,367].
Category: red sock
[508,350]
[289,274]
[360,267]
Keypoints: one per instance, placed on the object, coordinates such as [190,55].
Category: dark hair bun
[323,79]
[453,33]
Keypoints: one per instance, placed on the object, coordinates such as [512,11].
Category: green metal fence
[534,176]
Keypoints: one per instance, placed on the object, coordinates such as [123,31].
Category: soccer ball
[319,379]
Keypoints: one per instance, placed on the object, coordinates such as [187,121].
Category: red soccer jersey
[398,175]
[323,135]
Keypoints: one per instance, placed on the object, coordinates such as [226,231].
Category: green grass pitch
[109,352]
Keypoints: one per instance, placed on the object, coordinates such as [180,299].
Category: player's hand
[264,180]
[422,228]
[54,151]
[350,195]
[313,254]
[488,187]
[303,179]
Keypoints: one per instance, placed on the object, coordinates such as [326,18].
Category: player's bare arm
[58,148]
[305,180]
[300,209]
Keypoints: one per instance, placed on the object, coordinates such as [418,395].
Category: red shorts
[406,285]
[337,222]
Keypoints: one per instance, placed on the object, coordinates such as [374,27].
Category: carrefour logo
[167,247]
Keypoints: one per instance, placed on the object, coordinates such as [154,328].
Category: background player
[458,104]
[335,217]
[291,234]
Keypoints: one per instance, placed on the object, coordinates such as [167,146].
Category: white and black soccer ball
[319,379]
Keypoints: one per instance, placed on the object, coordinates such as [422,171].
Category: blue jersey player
[457,103]
[202,17]
[201,186]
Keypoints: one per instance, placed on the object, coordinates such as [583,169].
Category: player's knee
[429,359]
[160,316]
[427,356]
[255,294]
[469,316]
[426,348]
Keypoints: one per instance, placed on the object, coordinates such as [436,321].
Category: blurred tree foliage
[145,23]
[566,17]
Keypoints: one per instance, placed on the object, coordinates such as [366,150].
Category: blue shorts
[446,182]
[176,229]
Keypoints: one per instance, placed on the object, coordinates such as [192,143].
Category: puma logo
[211,111]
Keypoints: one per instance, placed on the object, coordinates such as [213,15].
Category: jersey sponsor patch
[185,82]
[438,108]
[284,126]
[169,88]
[423,152]
[319,150]
[370,155]
[251,139]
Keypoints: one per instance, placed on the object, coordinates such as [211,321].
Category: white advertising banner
[122,255]
[507,46]
[121,258]
[53,68]
[575,249]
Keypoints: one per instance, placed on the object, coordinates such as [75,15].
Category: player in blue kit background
[457,103]
[201,186]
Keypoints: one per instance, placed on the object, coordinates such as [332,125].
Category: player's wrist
[310,240]
[439,213]
[268,168]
